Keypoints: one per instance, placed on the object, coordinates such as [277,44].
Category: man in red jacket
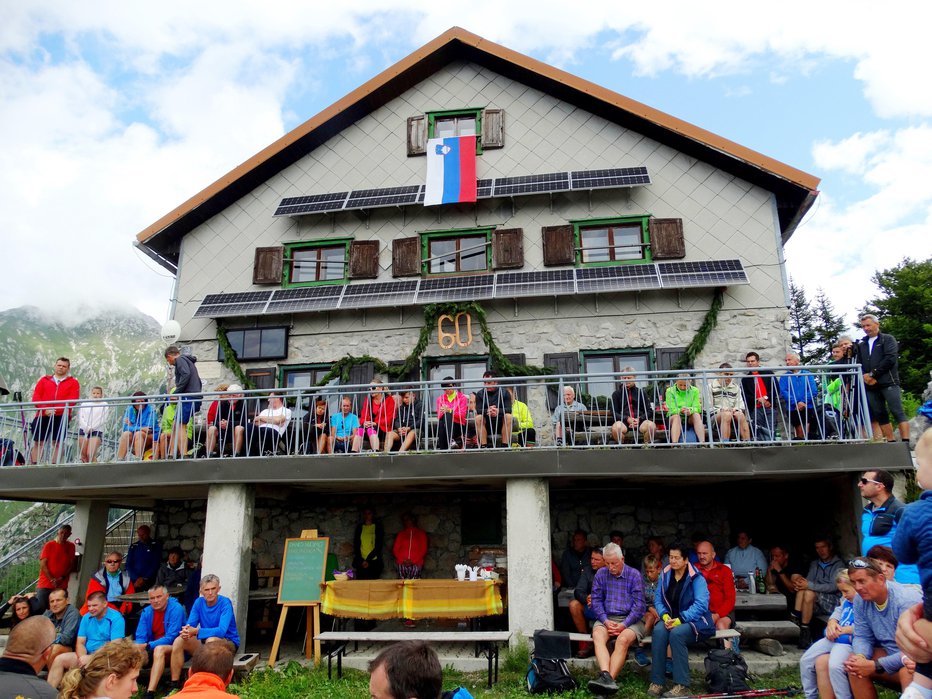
[721,583]
[51,420]
[409,550]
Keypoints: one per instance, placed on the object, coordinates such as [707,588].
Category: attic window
[465,122]
[322,262]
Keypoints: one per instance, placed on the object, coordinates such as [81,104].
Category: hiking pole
[750,694]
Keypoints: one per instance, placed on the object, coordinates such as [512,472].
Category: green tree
[802,323]
[905,311]
[828,327]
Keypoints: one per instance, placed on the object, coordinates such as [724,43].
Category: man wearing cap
[230,423]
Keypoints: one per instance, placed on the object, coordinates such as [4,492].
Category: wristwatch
[878,668]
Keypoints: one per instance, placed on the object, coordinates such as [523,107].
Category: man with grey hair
[878,354]
[618,605]
[211,620]
[798,391]
[27,649]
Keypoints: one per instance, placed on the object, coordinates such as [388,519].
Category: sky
[113,113]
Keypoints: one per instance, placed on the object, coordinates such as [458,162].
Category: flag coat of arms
[451,170]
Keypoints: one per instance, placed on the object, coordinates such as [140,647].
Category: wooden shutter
[562,363]
[666,238]
[364,259]
[520,390]
[417,135]
[267,267]
[406,257]
[667,357]
[493,128]
[508,248]
[262,378]
[559,243]
[361,374]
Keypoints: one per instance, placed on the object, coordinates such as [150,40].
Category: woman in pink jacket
[452,407]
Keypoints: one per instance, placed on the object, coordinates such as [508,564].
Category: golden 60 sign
[457,324]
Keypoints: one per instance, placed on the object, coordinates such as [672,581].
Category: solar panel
[531,184]
[592,280]
[678,275]
[378,294]
[614,177]
[314,203]
[483,189]
[387,196]
[224,305]
[551,282]
[468,288]
[311,298]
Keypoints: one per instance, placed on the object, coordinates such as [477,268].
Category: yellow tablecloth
[411,599]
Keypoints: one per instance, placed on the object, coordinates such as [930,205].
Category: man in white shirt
[745,559]
[270,426]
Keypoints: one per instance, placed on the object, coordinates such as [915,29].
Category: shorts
[342,446]
[589,614]
[46,427]
[879,399]
[637,627]
[189,406]
[90,434]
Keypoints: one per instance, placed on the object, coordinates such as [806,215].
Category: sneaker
[668,668]
[805,638]
[558,442]
[640,657]
[454,445]
[796,617]
[603,684]
[678,690]
[655,690]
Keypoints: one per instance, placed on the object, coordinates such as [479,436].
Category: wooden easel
[313,613]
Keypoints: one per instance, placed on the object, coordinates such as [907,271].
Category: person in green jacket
[523,433]
[684,406]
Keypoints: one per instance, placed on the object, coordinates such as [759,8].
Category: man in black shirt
[581,604]
[779,573]
[493,412]
[575,559]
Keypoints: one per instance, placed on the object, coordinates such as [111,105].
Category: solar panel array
[477,287]
[524,185]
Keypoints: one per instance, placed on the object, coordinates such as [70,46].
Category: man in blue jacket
[798,390]
[682,602]
[159,625]
[881,517]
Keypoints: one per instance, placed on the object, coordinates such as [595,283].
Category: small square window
[607,242]
[257,343]
[315,263]
[462,122]
[456,252]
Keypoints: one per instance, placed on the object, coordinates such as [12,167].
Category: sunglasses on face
[865,481]
[112,560]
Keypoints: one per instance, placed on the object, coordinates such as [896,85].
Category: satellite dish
[171,331]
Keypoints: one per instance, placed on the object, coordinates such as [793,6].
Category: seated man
[780,574]
[684,408]
[745,559]
[211,620]
[174,572]
[618,604]
[66,620]
[875,655]
[563,421]
[726,401]
[493,413]
[159,626]
[452,407]
[343,426]
[817,593]
[721,583]
[113,582]
[798,390]
[141,427]
[100,625]
[522,432]
[631,411]
[269,426]
[230,424]
[575,559]
[760,392]
[25,655]
[581,604]
[408,425]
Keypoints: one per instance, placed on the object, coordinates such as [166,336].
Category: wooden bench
[487,643]
[720,634]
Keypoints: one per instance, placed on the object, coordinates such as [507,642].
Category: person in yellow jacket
[524,432]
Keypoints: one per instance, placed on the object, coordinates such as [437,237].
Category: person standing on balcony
[187,387]
[56,563]
[760,390]
[143,559]
[92,421]
[878,354]
[51,420]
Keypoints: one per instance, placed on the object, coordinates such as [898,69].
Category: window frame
[323,367]
[615,221]
[428,236]
[288,261]
[427,363]
[618,364]
[474,112]
[240,356]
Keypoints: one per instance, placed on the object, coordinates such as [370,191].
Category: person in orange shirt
[211,671]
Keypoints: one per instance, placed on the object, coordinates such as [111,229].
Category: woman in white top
[92,419]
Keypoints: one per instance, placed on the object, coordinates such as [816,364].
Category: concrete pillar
[90,528]
[530,579]
[228,545]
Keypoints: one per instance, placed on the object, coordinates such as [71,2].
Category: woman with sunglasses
[110,672]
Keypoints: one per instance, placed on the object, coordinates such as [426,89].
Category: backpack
[726,671]
[548,675]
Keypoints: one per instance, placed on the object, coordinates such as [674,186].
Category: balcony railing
[699,408]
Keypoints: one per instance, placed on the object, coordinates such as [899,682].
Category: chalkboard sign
[303,569]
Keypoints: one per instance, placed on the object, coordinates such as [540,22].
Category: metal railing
[706,407]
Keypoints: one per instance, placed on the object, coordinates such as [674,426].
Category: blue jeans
[837,652]
[678,638]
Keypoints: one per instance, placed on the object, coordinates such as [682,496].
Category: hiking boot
[655,690]
[641,658]
[805,638]
[585,650]
[770,646]
[678,690]
[603,684]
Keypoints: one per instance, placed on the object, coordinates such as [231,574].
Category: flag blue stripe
[451,171]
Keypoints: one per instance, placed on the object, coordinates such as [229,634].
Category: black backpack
[726,671]
[548,671]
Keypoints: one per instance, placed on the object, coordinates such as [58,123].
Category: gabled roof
[795,190]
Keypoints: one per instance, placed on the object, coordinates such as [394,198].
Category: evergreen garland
[702,334]
[230,360]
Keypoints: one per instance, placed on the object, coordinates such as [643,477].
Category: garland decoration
[702,334]
[230,360]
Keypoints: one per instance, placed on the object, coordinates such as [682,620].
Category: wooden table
[411,599]
[768,602]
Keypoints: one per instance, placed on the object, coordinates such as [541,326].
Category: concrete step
[778,629]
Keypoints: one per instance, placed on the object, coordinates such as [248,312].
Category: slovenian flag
[451,170]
